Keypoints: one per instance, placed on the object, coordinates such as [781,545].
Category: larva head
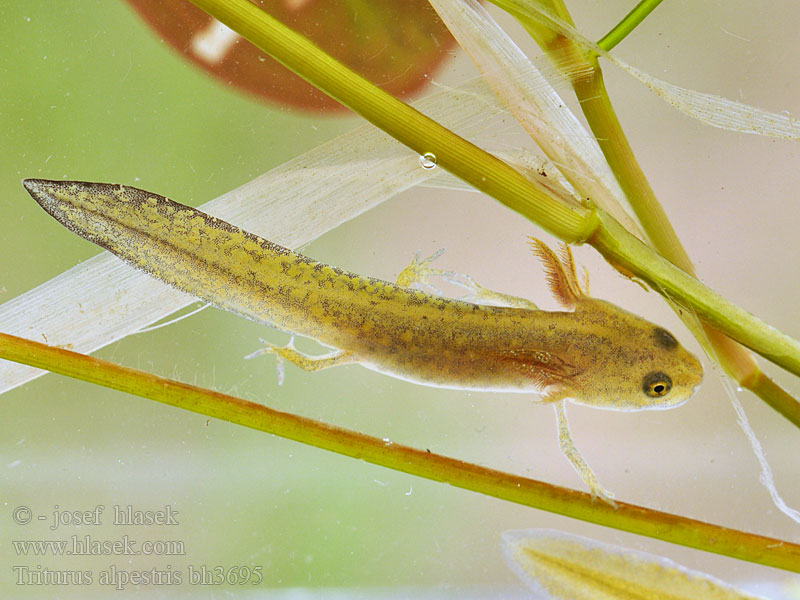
[629,363]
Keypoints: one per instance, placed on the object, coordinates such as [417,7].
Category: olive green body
[595,353]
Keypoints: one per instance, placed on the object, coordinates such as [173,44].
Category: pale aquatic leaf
[708,108]
[560,566]
[528,95]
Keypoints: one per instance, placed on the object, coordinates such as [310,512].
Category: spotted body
[593,352]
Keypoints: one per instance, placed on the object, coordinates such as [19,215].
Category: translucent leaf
[566,567]
[708,108]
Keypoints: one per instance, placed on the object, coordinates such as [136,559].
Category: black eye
[664,338]
[656,384]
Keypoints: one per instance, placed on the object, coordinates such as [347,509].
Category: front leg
[419,273]
[304,361]
[575,457]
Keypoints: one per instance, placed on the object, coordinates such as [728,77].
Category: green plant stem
[773,394]
[599,112]
[485,172]
[505,486]
[637,14]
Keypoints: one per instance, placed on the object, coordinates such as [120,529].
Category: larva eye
[656,384]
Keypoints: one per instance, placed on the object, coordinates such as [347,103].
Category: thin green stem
[520,490]
[599,112]
[627,24]
[773,394]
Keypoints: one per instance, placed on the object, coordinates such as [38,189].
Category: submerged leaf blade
[562,566]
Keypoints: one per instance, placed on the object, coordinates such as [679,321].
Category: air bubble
[427,161]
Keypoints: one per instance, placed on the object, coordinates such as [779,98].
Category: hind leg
[304,361]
